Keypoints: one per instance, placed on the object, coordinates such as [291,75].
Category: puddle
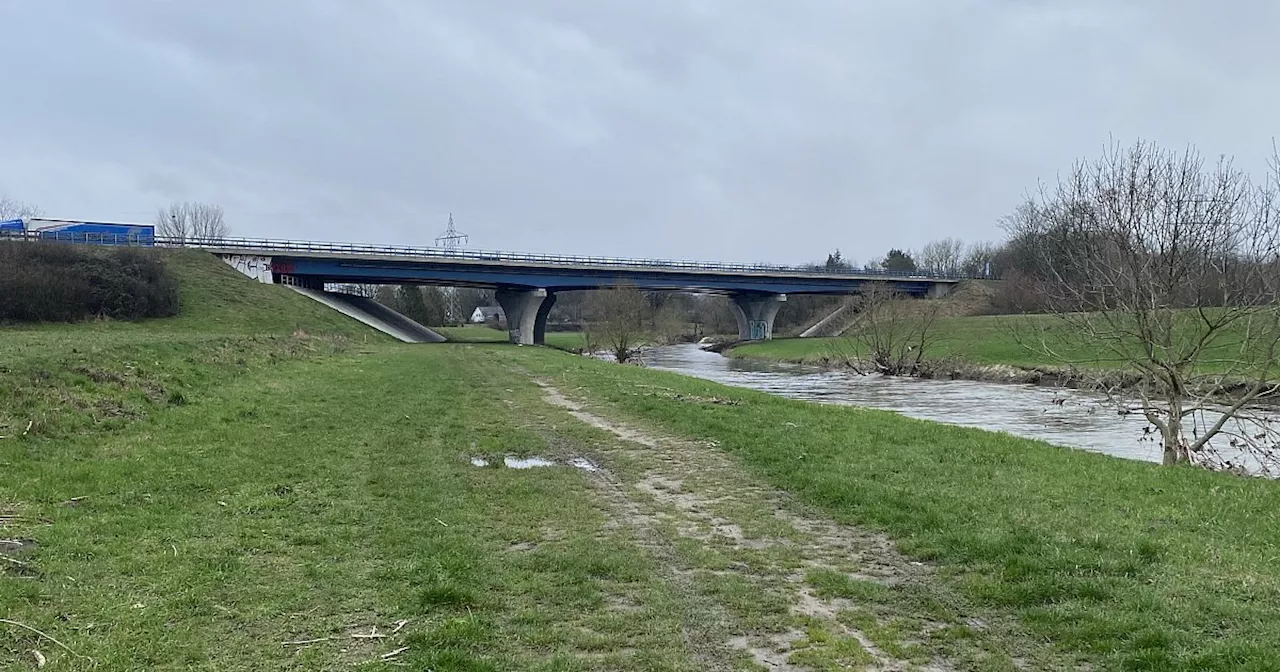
[584,464]
[531,462]
[526,462]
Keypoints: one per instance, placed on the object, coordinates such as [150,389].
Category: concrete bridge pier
[526,311]
[540,322]
[755,313]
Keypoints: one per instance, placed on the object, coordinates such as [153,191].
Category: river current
[1061,416]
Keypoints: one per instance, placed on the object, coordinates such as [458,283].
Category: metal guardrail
[266,246]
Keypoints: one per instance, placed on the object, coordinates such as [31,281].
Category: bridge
[526,284]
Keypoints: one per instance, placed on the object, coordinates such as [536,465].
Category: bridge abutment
[940,289]
[755,313]
[303,281]
[526,311]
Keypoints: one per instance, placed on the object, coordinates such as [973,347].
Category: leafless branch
[11,209]
[192,221]
[1165,266]
[893,333]
[619,312]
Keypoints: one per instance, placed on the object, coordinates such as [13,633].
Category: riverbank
[983,350]
[989,348]
[310,499]
[978,340]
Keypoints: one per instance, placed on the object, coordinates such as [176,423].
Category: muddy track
[709,523]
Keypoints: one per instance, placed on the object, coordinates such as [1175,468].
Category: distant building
[489,315]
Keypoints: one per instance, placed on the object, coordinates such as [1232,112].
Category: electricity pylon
[451,239]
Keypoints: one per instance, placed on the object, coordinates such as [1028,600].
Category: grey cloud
[707,129]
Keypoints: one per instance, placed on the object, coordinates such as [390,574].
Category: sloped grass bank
[61,379]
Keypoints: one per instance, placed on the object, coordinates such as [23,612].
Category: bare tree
[941,256]
[192,221]
[11,209]
[620,313]
[1168,268]
[979,259]
[671,322]
[893,333]
[592,339]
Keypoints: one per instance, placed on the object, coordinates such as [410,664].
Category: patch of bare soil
[749,552]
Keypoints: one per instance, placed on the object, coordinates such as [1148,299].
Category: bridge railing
[274,247]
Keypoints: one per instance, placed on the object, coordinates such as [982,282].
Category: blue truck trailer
[72,231]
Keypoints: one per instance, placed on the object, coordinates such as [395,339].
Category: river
[1065,417]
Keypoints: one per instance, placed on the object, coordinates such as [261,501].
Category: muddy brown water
[1061,416]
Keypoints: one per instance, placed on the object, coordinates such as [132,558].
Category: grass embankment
[308,497]
[56,379]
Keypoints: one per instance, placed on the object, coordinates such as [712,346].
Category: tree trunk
[1175,450]
[1171,445]
[1171,434]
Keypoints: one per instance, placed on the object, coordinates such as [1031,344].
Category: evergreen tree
[899,260]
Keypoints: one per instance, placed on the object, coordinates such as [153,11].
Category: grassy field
[279,489]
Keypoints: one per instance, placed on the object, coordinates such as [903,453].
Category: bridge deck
[349,262]
[302,249]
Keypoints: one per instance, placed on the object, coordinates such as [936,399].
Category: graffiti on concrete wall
[256,267]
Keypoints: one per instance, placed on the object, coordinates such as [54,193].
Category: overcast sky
[742,130]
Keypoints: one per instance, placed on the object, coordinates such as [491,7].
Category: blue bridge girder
[527,283]
[334,263]
[496,275]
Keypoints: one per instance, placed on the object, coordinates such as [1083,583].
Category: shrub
[59,282]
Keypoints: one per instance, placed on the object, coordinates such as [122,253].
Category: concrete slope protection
[831,325]
[375,315]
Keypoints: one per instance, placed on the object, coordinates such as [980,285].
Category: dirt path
[784,589]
